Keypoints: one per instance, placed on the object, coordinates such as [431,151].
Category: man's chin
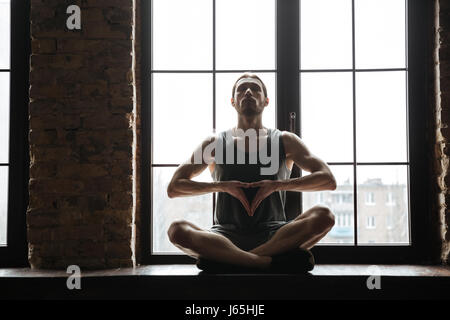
[249,112]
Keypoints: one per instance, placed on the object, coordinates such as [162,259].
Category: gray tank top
[229,213]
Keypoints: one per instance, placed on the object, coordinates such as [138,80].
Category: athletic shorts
[248,239]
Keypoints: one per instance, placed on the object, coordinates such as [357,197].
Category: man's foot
[211,266]
[294,261]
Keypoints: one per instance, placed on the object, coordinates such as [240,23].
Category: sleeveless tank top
[229,212]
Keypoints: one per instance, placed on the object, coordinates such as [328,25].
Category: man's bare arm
[182,185]
[321,177]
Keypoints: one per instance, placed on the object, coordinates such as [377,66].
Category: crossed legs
[304,231]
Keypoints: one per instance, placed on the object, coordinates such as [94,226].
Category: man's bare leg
[196,242]
[304,231]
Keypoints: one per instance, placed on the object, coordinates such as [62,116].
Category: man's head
[249,95]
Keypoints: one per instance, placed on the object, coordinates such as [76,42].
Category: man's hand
[234,188]
[266,188]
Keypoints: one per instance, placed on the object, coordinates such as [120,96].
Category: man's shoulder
[287,136]
[291,141]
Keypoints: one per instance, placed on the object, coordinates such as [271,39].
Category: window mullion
[288,81]
[355,179]
[214,92]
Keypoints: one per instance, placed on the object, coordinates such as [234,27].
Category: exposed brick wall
[442,151]
[81,135]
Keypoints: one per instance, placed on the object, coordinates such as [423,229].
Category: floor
[182,282]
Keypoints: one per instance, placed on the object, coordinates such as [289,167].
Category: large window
[4,115]
[14,159]
[341,65]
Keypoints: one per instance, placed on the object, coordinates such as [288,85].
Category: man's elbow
[170,191]
[332,184]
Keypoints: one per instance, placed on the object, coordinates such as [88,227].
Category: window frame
[419,42]
[15,254]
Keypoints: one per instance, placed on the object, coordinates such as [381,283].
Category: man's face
[249,97]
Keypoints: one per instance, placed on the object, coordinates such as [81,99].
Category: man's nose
[248,92]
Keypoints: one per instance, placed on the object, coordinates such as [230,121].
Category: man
[250,228]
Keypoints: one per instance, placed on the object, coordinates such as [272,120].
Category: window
[390,199]
[4,119]
[370,222]
[355,86]
[370,198]
[320,198]
[14,162]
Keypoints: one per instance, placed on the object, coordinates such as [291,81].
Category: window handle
[292,116]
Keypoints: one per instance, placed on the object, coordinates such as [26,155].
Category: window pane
[197,210]
[378,221]
[326,34]
[326,115]
[182,34]
[380,33]
[182,115]
[340,202]
[245,34]
[381,116]
[3,203]
[5,26]
[4,117]
[226,115]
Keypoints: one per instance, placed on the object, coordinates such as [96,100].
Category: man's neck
[250,123]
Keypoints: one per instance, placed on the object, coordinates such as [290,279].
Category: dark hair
[249,75]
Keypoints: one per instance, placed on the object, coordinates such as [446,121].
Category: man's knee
[179,233]
[324,218]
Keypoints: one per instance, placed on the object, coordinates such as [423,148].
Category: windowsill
[186,282]
[191,270]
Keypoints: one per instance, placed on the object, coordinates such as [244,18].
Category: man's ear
[232,101]
[267,102]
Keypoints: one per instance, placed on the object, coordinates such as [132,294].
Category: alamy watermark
[374,281]
[205,155]
[74,280]
[74,20]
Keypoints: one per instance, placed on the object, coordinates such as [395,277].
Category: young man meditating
[250,230]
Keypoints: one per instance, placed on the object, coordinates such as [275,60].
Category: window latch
[292,116]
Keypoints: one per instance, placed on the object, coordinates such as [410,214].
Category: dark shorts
[250,238]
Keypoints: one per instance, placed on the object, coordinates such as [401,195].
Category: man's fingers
[262,194]
[256,201]
[245,184]
[240,184]
[258,183]
[244,200]
[255,205]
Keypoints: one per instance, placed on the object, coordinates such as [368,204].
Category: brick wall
[82,140]
[442,150]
